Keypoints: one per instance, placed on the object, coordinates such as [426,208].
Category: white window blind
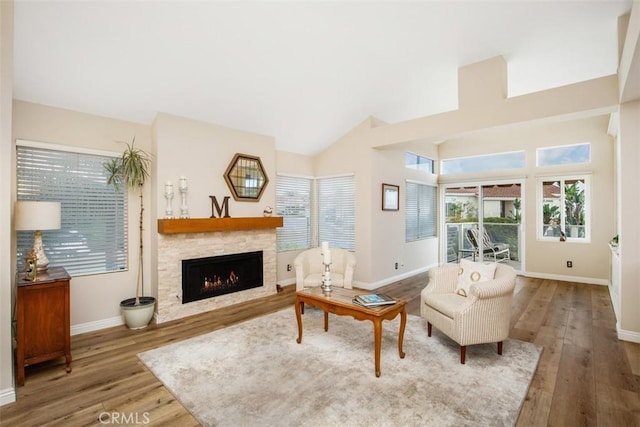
[420,211]
[293,195]
[336,211]
[93,237]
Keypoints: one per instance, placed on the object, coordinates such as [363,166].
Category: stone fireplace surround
[203,237]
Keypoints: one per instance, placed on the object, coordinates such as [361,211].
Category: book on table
[373,300]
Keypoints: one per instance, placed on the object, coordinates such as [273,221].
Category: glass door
[484,223]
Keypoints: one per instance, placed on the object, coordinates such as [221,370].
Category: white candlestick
[325,247]
[326,257]
[183,182]
[168,188]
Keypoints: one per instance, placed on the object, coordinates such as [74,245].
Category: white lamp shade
[37,215]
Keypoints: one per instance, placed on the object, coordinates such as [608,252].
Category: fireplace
[219,275]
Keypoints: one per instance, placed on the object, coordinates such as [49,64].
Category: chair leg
[428,329]
[463,353]
[500,348]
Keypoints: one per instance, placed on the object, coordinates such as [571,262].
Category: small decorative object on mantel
[31,267]
[326,276]
[168,194]
[222,211]
[184,210]
[268,211]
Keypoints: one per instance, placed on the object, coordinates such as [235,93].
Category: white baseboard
[7,396]
[588,280]
[97,325]
[375,285]
[287,282]
[630,336]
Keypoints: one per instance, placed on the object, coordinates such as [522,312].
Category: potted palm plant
[131,170]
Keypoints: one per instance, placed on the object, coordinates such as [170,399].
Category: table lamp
[37,216]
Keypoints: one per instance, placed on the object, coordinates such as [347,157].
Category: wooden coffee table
[339,302]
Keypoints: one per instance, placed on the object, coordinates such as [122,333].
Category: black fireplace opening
[219,275]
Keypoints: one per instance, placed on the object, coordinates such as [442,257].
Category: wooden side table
[43,320]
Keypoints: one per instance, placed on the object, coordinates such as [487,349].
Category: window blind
[336,211]
[93,236]
[420,211]
[293,203]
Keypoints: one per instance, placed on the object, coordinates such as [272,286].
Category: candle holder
[168,213]
[184,210]
[326,279]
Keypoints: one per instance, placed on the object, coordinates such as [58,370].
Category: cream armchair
[483,316]
[309,268]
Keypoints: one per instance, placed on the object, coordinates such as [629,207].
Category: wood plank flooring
[586,376]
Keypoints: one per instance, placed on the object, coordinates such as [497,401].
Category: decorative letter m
[216,208]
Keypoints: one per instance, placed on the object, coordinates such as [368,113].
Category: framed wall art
[390,197]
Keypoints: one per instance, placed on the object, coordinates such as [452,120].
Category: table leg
[377,333]
[403,323]
[326,321]
[299,305]
[68,361]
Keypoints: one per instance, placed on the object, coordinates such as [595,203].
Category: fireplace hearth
[219,275]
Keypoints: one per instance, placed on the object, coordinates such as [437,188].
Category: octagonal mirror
[246,178]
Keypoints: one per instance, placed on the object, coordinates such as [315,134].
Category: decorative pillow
[473,272]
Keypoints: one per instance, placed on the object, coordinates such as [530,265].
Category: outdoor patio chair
[499,251]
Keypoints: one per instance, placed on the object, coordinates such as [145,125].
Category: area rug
[255,374]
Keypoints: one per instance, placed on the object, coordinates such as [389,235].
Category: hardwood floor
[586,376]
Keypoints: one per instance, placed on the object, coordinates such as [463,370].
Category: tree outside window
[565,208]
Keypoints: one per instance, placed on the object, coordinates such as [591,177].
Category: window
[293,195]
[564,209]
[564,155]
[336,211]
[420,211]
[490,162]
[93,237]
[414,161]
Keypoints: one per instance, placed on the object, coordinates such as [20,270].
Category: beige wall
[95,298]
[201,152]
[295,165]
[380,235]
[7,393]
[544,258]
[629,226]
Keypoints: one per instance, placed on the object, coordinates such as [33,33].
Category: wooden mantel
[206,225]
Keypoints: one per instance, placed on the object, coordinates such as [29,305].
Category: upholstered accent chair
[482,316]
[309,268]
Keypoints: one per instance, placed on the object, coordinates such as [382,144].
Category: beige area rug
[255,374]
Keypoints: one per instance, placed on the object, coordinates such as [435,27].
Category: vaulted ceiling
[302,72]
